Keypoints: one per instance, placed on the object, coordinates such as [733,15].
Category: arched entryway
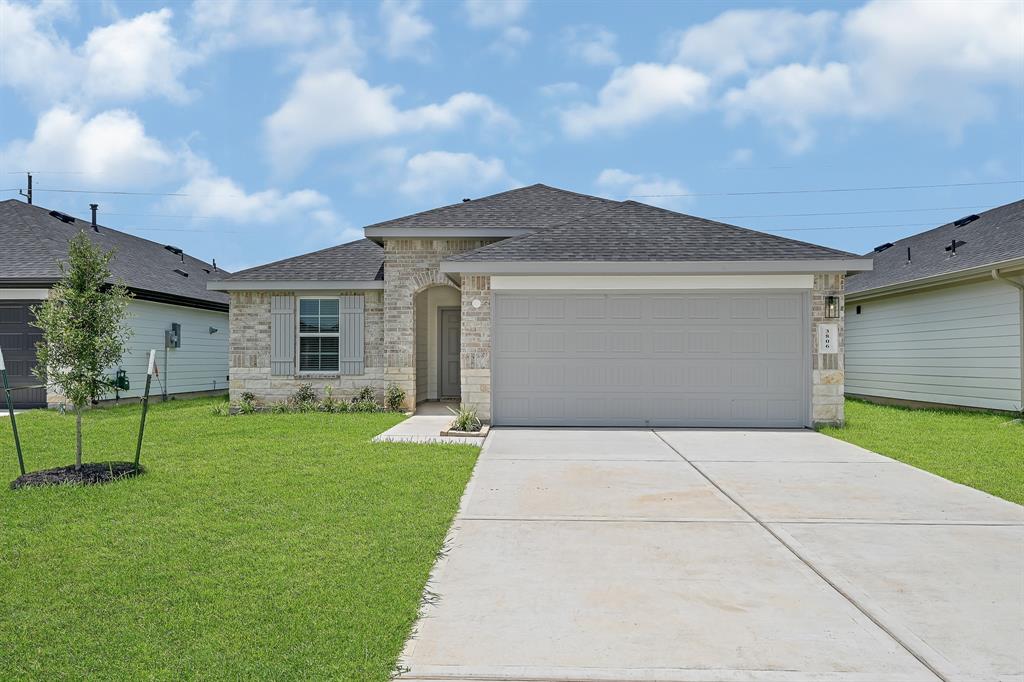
[438,334]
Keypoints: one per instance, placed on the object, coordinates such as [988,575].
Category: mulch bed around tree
[90,474]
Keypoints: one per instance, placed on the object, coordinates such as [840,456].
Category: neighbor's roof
[358,261]
[527,208]
[996,236]
[32,242]
[631,231]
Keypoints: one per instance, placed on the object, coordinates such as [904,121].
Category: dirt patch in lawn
[92,473]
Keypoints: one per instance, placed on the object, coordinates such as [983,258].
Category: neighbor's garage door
[734,358]
[18,342]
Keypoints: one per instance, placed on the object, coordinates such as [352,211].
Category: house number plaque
[828,338]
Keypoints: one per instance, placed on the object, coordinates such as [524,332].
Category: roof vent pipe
[215,265]
[908,254]
[93,208]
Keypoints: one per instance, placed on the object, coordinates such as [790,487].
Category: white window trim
[299,372]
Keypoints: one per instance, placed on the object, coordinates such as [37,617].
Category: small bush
[219,410]
[364,406]
[280,408]
[365,394]
[303,394]
[394,396]
[247,402]
[466,419]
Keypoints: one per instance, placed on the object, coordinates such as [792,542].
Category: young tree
[84,333]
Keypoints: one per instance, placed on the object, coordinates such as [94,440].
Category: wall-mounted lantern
[831,307]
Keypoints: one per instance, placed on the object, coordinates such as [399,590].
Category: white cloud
[741,157]
[940,65]
[594,45]
[406,32]
[512,40]
[337,107]
[339,49]
[35,58]
[791,97]
[432,174]
[736,41]
[489,13]
[135,58]
[635,95]
[641,186]
[934,60]
[127,60]
[110,149]
[224,24]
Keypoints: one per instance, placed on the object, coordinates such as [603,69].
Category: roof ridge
[451,205]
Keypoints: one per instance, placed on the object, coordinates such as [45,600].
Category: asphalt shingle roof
[631,231]
[527,208]
[361,260]
[32,242]
[997,235]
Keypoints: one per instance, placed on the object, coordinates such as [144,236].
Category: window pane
[309,325]
[309,345]
[309,307]
[329,345]
[328,306]
[328,363]
[309,362]
[328,325]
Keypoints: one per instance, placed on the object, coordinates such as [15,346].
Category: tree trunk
[78,438]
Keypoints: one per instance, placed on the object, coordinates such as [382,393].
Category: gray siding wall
[959,345]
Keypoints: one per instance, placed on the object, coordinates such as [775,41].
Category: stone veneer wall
[410,266]
[250,350]
[475,357]
[827,371]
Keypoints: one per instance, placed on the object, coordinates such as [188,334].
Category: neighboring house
[169,289]
[938,320]
[540,306]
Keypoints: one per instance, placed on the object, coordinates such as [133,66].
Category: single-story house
[172,310]
[541,306]
[938,321]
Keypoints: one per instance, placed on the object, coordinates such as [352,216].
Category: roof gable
[526,208]
[632,231]
[996,236]
[34,241]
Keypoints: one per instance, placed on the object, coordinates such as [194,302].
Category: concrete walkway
[425,426]
[774,556]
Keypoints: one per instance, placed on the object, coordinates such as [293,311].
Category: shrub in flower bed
[305,399]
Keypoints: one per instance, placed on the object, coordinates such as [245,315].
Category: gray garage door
[736,358]
[18,342]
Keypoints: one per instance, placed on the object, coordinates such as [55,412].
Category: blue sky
[288,126]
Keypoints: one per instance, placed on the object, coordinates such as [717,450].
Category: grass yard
[982,450]
[272,546]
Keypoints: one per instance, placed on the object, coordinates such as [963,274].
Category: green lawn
[982,450]
[266,546]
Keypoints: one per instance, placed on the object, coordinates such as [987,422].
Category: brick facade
[410,266]
[250,350]
[827,374]
[475,358]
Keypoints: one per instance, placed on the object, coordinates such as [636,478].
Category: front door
[450,331]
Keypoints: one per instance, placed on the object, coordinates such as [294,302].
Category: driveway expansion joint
[903,638]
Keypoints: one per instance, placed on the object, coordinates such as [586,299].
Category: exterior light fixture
[831,307]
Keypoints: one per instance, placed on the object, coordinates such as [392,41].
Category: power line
[885,210]
[830,189]
[89,191]
[838,227]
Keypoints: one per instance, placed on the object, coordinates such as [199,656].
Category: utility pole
[27,195]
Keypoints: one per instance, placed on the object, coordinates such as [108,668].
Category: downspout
[996,275]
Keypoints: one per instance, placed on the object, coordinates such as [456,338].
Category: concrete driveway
[692,555]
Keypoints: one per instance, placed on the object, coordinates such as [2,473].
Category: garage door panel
[18,340]
[655,359]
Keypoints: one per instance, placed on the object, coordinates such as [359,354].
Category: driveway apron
[725,556]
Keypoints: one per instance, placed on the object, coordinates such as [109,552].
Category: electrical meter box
[172,336]
[121,382]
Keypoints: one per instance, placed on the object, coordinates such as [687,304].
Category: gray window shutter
[350,346]
[282,336]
